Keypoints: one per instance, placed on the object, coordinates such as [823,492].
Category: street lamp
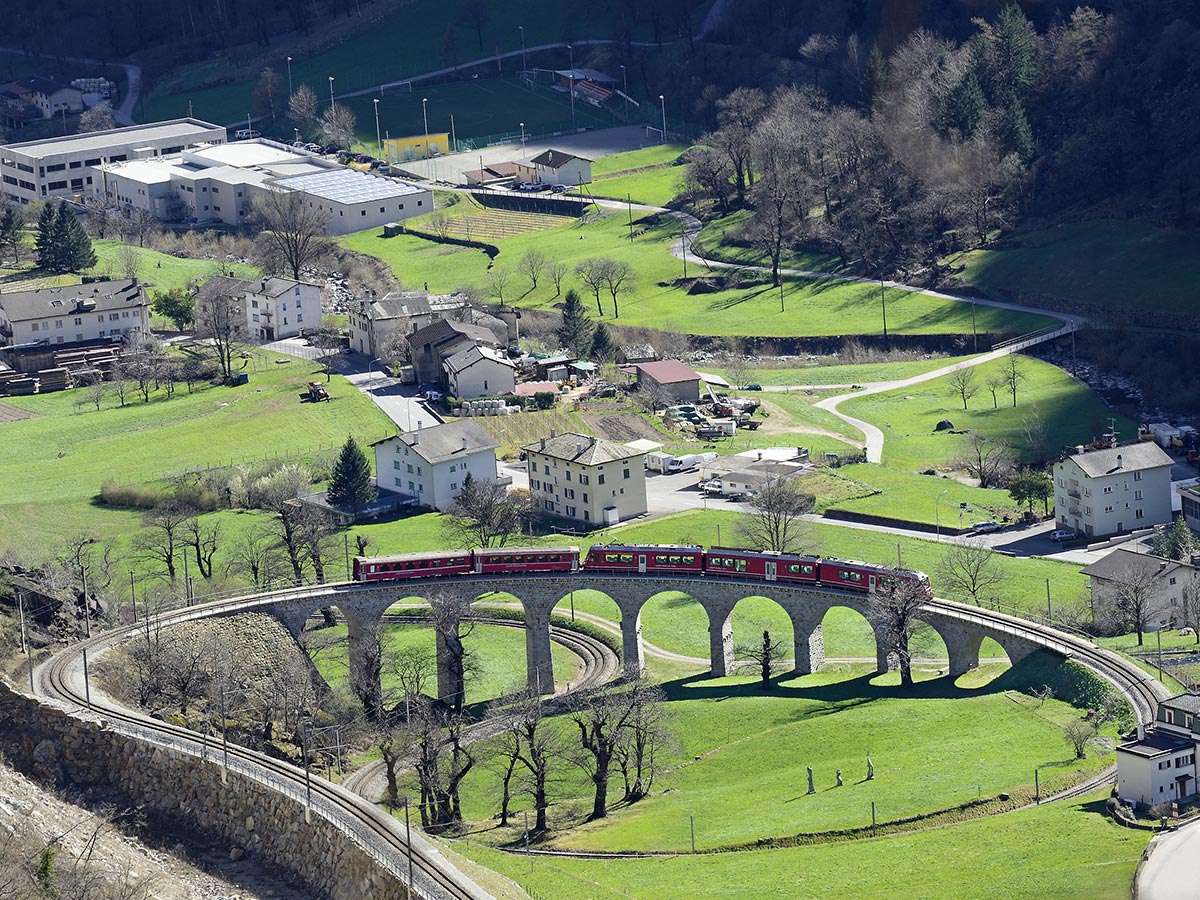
[378,139]
[425,117]
[290,91]
[625,90]
[937,512]
[331,92]
[524,66]
[522,140]
[571,81]
[663,102]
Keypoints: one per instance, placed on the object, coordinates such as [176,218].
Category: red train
[663,559]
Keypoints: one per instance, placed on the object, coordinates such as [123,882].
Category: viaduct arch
[364,605]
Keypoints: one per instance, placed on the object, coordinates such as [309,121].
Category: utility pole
[378,139]
[133,595]
[524,66]
[625,91]
[290,90]
[331,92]
[663,102]
[883,304]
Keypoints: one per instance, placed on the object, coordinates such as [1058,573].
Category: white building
[69,165]
[587,479]
[1100,492]
[271,308]
[430,464]
[555,167]
[216,185]
[1154,584]
[480,372]
[1160,766]
[104,310]
[376,324]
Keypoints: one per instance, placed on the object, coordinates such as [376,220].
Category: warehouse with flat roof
[71,164]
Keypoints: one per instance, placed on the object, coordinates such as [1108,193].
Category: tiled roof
[1127,457]
[579,448]
[99,296]
[668,371]
[444,442]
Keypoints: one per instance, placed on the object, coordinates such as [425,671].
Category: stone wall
[62,748]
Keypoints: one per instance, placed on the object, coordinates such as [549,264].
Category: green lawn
[161,271]
[913,497]
[495,658]
[1114,264]
[656,187]
[811,307]
[851,373]
[372,57]
[1067,851]
[1070,412]
[657,155]
[714,242]
[53,465]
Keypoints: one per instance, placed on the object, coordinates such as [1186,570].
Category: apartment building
[587,479]
[103,310]
[1099,492]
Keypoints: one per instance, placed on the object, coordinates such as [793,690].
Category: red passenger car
[645,558]
[501,560]
[864,577]
[411,565]
[729,562]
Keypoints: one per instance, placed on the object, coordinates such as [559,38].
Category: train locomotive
[640,559]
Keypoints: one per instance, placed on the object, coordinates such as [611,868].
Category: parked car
[559,189]
[432,396]
[1062,534]
[752,386]
[739,496]
[299,144]
[713,486]
[384,169]
[362,158]
[246,134]
[313,148]
[985,527]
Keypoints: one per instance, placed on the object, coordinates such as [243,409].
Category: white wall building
[69,165]
[272,308]
[480,372]
[1100,492]
[555,167]
[430,464]
[1160,766]
[1152,583]
[587,479]
[103,310]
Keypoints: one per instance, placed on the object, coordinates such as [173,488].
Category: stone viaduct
[363,606]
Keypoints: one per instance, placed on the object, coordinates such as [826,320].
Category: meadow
[1069,414]
[370,57]
[1111,264]
[810,307]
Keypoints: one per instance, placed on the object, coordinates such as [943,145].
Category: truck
[659,462]
[690,461]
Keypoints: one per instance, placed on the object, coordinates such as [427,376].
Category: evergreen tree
[72,246]
[964,107]
[1015,132]
[350,485]
[603,348]
[575,332]
[45,245]
[1014,54]
[1177,542]
[875,77]
[12,226]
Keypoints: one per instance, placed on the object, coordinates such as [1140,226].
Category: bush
[545,399]
[139,496]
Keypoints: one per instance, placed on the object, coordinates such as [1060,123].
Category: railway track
[377,834]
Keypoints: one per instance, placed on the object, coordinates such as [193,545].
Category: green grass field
[811,308]
[1068,851]
[495,658]
[53,465]
[654,156]
[656,187]
[370,58]
[1119,265]
[713,242]
[161,271]
[853,373]
[1070,412]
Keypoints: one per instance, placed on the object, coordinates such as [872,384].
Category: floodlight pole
[331,92]
[663,102]
[571,80]
[289,65]
[378,139]
[524,66]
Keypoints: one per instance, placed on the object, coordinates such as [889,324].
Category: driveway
[1172,870]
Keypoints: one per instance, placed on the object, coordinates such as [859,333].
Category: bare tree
[1079,734]
[557,270]
[482,515]
[222,321]
[765,658]
[337,124]
[137,225]
[963,384]
[617,276]
[1189,607]
[440,223]
[738,370]
[645,733]
[332,346]
[453,622]
[98,118]
[203,539]
[302,109]
[162,538]
[497,282]
[994,384]
[602,718]
[893,608]
[532,264]
[591,273]
[293,233]
[1014,375]
[776,519]
[987,460]
[1132,592]
[187,658]
[442,760]
[652,396]
[252,556]
[969,568]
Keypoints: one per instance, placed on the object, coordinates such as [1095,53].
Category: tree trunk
[600,803]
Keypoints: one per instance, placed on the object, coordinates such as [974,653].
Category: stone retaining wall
[57,747]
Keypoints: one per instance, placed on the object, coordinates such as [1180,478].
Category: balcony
[1074,492]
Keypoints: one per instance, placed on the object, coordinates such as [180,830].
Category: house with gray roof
[1159,767]
[429,465]
[555,167]
[1115,490]
[100,311]
[432,345]
[585,479]
[268,309]
[480,372]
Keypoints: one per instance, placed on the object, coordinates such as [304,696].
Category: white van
[246,134]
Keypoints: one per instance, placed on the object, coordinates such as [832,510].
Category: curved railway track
[61,677]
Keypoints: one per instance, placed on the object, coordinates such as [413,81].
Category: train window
[689,560]
[849,576]
[626,557]
[739,564]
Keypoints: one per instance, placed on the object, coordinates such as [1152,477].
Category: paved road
[1172,871]
[123,114]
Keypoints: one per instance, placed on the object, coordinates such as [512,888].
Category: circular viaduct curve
[961,627]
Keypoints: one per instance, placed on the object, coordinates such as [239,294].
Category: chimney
[542,444]
[1141,731]
[553,432]
[1119,460]
[464,443]
[264,285]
